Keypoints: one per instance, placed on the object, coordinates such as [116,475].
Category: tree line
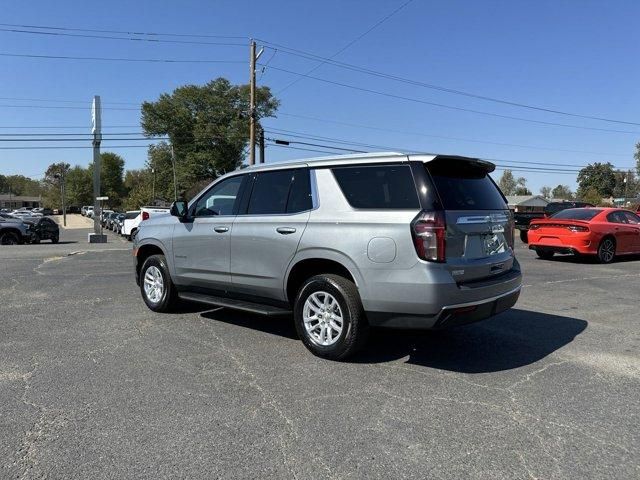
[206,128]
[596,182]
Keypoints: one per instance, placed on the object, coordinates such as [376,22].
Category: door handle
[285,230]
[220,229]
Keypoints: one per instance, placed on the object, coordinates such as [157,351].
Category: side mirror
[179,209]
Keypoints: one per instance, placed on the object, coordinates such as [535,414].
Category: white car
[89,211]
[133,218]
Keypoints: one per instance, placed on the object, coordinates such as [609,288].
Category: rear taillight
[145,215]
[429,231]
[577,228]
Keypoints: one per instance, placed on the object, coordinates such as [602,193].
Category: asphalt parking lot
[94,385]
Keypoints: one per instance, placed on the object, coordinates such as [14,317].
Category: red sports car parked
[605,232]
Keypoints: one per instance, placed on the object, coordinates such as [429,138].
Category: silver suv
[342,243]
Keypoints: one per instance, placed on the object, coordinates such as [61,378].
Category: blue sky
[574,56]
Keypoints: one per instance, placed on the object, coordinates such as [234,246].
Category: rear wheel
[607,250]
[158,291]
[9,238]
[35,238]
[544,254]
[329,317]
[55,238]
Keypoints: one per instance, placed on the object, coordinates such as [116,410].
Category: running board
[251,307]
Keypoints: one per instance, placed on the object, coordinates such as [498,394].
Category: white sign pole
[96,130]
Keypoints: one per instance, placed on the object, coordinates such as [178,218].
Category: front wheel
[35,238]
[158,291]
[9,238]
[55,238]
[607,250]
[329,317]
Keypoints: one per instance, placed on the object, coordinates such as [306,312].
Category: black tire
[607,250]
[35,238]
[55,238]
[544,254]
[355,328]
[169,295]
[9,238]
[524,236]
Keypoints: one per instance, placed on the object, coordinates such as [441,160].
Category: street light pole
[97,138]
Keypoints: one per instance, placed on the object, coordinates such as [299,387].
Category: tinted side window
[378,187]
[617,217]
[220,199]
[270,192]
[300,194]
[632,218]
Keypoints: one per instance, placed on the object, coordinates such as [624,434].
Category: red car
[604,232]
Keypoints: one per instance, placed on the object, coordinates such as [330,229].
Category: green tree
[521,187]
[207,126]
[111,178]
[627,185]
[545,192]
[599,176]
[79,187]
[20,185]
[562,192]
[508,183]
[591,195]
[51,184]
[138,186]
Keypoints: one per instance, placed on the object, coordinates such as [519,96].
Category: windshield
[130,215]
[577,213]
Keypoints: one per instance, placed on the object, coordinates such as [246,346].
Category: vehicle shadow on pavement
[510,340]
[281,326]
[589,259]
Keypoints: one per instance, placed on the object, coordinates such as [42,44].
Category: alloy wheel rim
[608,250]
[323,319]
[153,284]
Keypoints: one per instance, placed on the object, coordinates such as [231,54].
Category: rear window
[577,214]
[130,215]
[465,187]
[378,186]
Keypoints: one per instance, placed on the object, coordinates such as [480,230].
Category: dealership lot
[94,385]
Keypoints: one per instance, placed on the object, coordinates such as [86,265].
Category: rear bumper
[587,248]
[449,315]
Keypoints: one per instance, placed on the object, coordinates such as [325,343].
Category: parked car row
[17,229]
[127,223]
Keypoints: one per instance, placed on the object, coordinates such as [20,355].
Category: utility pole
[261,143]
[60,176]
[175,184]
[96,130]
[153,188]
[253,58]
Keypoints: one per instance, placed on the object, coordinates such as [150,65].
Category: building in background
[527,203]
[14,202]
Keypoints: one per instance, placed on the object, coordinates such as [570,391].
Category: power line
[364,70]
[68,29]
[132,39]
[404,132]
[450,107]
[315,145]
[65,107]
[66,127]
[115,59]
[72,147]
[301,149]
[349,44]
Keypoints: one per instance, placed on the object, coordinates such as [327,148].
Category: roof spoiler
[483,164]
